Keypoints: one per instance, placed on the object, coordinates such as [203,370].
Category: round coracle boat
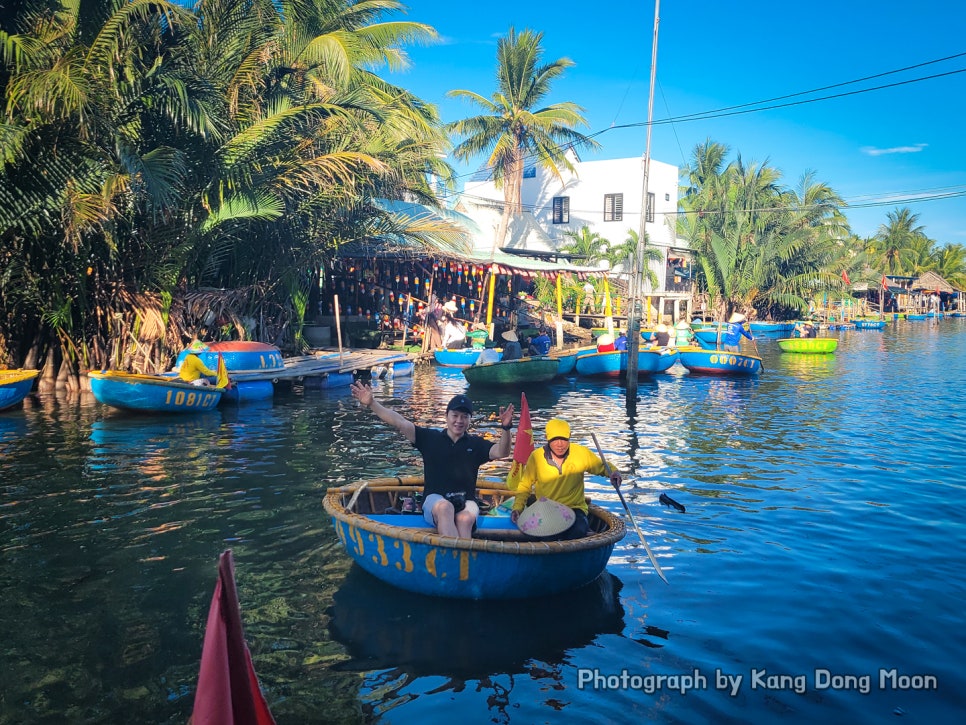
[239,356]
[499,562]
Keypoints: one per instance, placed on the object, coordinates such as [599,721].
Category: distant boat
[513,372]
[869,324]
[613,364]
[566,360]
[916,317]
[152,393]
[241,358]
[456,358]
[15,385]
[718,362]
[497,563]
[812,345]
[771,328]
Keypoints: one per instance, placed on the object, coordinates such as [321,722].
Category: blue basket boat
[15,385]
[456,358]
[152,393]
[497,563]
[718,362]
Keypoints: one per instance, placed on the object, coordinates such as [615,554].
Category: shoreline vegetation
[168,175]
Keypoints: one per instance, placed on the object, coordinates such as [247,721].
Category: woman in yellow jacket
[556,471]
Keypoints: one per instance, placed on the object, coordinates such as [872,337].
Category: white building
[604,196]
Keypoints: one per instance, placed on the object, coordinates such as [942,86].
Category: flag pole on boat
[637,276]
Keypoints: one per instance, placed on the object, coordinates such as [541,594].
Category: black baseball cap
[460,402]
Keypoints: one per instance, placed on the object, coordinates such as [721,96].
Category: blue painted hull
[419,560]
[916,317]
[566,363]
[152,393]
[248,391]
[602,364]
[15,385]
[614,364]
[869,324]
[708,339]
[771,328]
[239,357]
[456,358]
[713,362]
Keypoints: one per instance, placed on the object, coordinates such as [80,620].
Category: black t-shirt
[449,467]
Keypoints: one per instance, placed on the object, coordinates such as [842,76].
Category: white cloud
[872,151]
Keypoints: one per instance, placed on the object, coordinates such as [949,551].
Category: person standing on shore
[451,459]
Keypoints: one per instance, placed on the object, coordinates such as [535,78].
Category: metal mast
[637,273]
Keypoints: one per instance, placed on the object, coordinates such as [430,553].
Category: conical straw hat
[545,518]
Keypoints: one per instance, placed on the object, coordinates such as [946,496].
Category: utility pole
[637,271]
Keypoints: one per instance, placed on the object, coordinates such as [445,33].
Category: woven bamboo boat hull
[715,362]
[152,393]
[497,563]
[513,372]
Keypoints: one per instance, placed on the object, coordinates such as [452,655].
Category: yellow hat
[737,317]
[557,428]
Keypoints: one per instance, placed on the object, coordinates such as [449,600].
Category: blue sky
[891,148]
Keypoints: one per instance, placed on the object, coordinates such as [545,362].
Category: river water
[815,575]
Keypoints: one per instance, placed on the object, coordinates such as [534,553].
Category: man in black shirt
[451,459]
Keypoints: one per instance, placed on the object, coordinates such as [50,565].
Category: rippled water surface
[819,559]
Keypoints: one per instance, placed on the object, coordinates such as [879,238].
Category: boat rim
[616,529]
[146,379]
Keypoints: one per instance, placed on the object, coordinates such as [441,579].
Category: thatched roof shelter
[932,282]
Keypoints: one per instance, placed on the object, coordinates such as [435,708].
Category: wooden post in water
[637,279]
[338,326]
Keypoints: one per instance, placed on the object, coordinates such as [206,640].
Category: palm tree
[512,130]
[894,244]
[758,244]
[950,262]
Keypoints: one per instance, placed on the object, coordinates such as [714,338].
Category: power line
[755,106]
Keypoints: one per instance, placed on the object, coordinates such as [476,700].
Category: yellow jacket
[192,368]
[542,478]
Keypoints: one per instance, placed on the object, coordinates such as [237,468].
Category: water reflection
[466,639]
[808,367]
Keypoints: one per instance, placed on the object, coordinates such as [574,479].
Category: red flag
[885,285]
[228,692]
[845,277]
[523,446]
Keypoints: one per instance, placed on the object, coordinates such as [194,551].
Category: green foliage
[149,148]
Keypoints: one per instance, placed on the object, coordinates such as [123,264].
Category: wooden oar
[650,555]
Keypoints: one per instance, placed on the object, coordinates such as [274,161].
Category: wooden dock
[325,362]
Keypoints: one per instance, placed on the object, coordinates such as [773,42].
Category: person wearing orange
[556,471]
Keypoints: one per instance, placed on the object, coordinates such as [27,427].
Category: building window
[650,208]
[613,207]
[561,210]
